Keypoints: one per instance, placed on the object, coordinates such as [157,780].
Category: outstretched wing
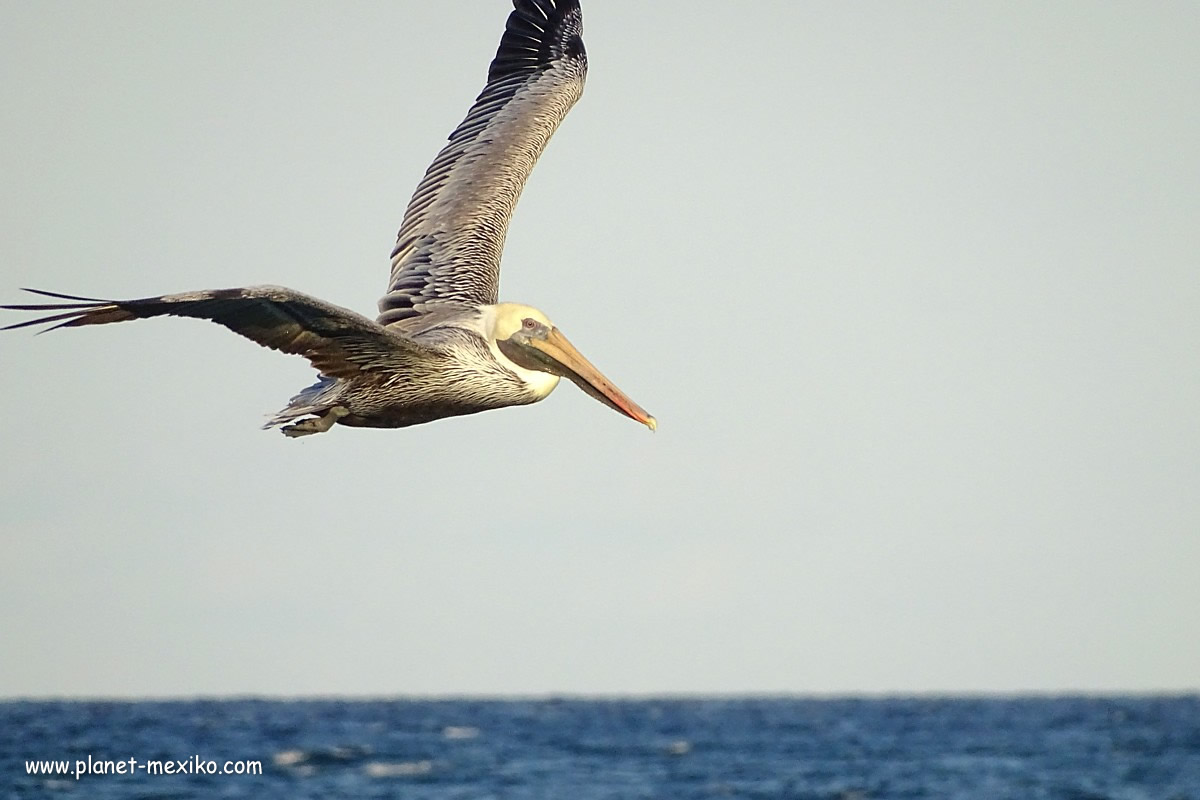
[449,245]
[338,342]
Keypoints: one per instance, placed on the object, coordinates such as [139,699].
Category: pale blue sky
[912,288]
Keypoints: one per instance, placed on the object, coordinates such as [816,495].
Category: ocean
[1025,748]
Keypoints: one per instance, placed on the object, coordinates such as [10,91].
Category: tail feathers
[315,400]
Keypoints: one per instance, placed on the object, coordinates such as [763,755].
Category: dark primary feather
[538,33]
[338,342]
[449,246]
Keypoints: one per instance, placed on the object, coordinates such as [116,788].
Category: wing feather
[449,245]
[337,341]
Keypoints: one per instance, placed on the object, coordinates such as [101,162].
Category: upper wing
[449,245]
[338,342]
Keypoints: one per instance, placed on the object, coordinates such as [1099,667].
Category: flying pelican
[442,345]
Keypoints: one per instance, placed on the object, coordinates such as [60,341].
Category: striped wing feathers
[338,342]
[449,245]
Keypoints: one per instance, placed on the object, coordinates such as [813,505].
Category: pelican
[441,345]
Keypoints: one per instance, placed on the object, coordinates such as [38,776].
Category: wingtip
[61,296]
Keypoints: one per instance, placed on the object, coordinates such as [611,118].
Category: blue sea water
[1076,748]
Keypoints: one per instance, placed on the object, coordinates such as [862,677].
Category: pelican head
[524,337]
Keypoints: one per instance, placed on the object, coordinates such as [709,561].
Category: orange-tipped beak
[579,370]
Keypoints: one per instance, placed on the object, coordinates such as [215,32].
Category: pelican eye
[531,327]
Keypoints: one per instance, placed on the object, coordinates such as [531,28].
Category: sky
[912,288]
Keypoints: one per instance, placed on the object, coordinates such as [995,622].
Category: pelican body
[441,345]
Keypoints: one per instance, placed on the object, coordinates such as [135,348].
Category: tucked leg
[316,424]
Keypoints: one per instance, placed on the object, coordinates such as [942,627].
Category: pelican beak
[561,358]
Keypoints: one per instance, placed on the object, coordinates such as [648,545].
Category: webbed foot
[320,424]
